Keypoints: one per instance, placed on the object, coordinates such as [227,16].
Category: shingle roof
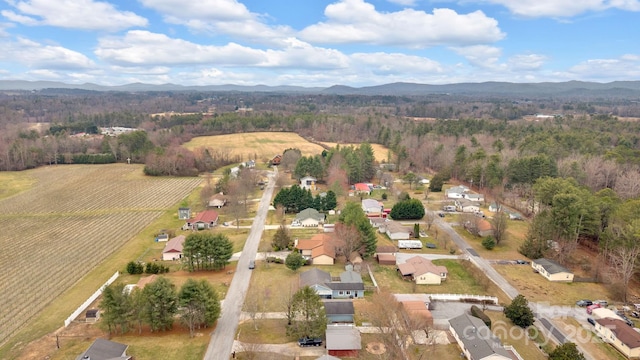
[477,337]
[310,214]
[313,277]
[344,286]
[386,249]
[350,276]
[174,245]
[338,307]
[551,266]
[102,349]
[207,216]
[625,333]
[418,265]
[324,249]
[371,203]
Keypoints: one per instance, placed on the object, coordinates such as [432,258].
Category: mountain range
[568,88]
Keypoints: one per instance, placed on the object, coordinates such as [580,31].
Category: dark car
[584,303]
[627,320]
[522,262]
[441,214]
[252,264]
[591,321]
[635,314]
[430,245]
[305,341]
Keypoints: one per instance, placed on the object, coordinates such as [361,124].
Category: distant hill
[491,88]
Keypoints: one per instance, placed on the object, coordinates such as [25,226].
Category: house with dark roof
[476,340]
[551,270]
[339,311]
[103,349]
[203,220]
[348,285]
[622,336]
[423,271]
[343,340]
[173,248]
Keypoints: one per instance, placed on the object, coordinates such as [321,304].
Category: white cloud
[38,56]
[526,62]
[73,14]
[355,21]
[623,68]
[219,17]
[396,64]
[144,48]
[404,2]
[480,55]
[564,8]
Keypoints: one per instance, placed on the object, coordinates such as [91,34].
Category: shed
[92,315]
[386,259]
[343,340]
[103,349]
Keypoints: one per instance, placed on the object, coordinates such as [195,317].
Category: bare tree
[253,305]
[235,205]
[429,218]
[347,240]
[499,223]
[628,184]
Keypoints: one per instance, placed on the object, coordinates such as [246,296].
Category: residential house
[474,197]
[456,192]
[372,207]
[348,286]
[217,200]
[319,249]
[103,349]
[467,206]
[339,311]
[204,220]
[476,340]
[423,271]
[362,188]
[308,183]
[551,270]
[317,280]
[418,309]
[343,340]
[484,228]
[378,223]
[396,231]
[308,218]
[184,213]
[622,336]
[493,207]
[173,248]
[276,160]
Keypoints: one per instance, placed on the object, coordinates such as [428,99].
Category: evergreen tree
[281,239]
[566,351]
[519,312]
[353,215]
[330,201]
[115,308]
[162,304]
[309,318]
[294,261]
[411,209]
[207,251]
[199,304]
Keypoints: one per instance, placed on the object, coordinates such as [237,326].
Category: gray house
[102,349]
[339,311]
[476,340]
[348,286]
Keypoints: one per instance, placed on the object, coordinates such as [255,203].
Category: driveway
[221,344]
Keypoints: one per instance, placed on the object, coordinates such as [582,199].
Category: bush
[384,196]
[134,268]
[489,242]
[273,259]
[477,312]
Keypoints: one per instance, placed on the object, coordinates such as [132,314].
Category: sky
[318,43]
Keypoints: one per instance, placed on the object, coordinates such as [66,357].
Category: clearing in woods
[66,222]
[263,145]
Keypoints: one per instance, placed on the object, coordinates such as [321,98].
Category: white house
[395,231]
[474,197]
[423,271]
[467,206]
[456,192]
[308,218]
[372,207]
[551,270]
[173,248]
[308,183]
[477,341]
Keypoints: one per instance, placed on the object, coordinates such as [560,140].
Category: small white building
[551,270]
[396,231]
[308,183]
[456,192]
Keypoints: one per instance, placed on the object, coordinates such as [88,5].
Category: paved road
[482,264]
[221,344]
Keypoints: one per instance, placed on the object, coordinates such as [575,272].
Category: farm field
[263,145]
[66,223]
[379,152]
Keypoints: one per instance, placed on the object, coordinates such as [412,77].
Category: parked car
[252,264]
[305,341]
[591,307]
[627,320]
[603,303]
[522,262]
[430,245]
[591,321]
[584,302]
[635,314]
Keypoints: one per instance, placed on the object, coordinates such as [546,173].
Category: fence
[90,300]
[464,298]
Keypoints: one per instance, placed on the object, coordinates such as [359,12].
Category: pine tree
[162,304]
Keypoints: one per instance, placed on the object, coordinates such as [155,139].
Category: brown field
[67,222]
[262,145]
[380,152]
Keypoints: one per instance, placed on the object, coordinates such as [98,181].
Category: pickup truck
[305,341]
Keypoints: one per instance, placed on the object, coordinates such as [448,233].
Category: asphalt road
[502,283]
[221,344]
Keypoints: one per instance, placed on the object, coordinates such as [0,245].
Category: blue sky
[319,43]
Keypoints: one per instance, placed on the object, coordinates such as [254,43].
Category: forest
[574,171]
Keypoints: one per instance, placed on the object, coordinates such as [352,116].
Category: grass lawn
[380,152]
[515,336]
[15,182]
[270,331]
[536,288]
